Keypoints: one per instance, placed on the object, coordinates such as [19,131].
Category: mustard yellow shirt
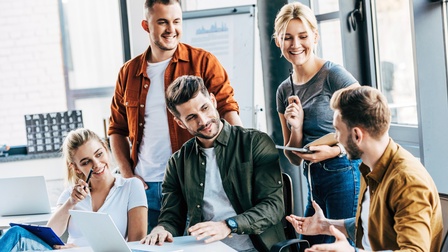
[405,212]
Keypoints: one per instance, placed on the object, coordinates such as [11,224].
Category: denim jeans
[335,188]
[154,199]
[20,239]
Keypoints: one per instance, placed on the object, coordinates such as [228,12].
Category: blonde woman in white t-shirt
[91,187]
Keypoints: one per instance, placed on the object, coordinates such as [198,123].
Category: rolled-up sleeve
[349,225]
[218,83]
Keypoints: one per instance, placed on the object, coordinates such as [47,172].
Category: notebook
[328,139]
[24,196]
[45,233]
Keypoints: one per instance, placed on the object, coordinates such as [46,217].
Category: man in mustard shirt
[399,206]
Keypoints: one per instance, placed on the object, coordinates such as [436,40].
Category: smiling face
[297,43]
[92,155]
[164,25]
[200,117]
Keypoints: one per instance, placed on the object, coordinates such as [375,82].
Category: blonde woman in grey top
[305,115]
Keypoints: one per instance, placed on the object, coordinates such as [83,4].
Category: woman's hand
[294,113]
[320,153]
[79,192]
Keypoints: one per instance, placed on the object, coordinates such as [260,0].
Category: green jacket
[249,165]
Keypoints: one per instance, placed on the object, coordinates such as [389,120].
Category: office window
[93,55]
[395,58]
[329,25]
[331,41]
[324,6]
[92,42]
[190,5]
[445,27]
[95,110]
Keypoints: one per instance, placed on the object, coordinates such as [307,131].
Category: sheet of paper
[184,244]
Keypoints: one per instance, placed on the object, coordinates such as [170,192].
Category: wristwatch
[231,223]
[343,152]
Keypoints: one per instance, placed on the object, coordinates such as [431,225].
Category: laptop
[24,196]
[102,234]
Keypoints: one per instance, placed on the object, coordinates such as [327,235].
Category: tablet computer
[301,150]
[43,232]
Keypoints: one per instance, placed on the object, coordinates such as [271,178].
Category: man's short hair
[364,107]
[150,3]
[182,89]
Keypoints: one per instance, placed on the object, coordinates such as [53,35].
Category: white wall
[31,65]
[50,168]
[53,169]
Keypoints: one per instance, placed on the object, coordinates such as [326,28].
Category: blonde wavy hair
[72,142]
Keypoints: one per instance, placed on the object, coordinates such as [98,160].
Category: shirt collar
[378,171]
[119,181]
[181,54]
[222,139]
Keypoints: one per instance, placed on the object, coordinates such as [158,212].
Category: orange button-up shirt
[128,103]
[405,212]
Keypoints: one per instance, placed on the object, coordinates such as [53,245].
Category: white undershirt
[217,206]
[155,148]
[365,206]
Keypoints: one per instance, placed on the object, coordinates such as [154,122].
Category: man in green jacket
[226,180]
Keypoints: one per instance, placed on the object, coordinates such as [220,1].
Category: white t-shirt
[155,148]
[217,206]
[123,196]
[365,206]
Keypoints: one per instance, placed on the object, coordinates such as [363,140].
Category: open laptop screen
[24,195]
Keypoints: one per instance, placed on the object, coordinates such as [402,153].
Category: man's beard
[163,47]
[353,152]
[197,133]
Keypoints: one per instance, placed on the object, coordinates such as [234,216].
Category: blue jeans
[335,188]
[20,239]
[154,199]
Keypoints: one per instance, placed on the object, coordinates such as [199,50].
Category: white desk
[180,244]
[39,219]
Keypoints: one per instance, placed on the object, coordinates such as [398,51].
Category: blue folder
[45,233]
